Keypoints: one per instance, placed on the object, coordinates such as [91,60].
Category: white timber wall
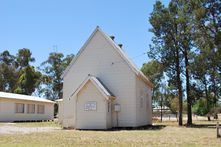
[109,114]
[144,103]
[101,60]
[8,112]
[60,111]
[91,119]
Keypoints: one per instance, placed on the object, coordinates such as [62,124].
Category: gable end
[119,51]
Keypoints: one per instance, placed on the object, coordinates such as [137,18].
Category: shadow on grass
[212,126]
[147,127]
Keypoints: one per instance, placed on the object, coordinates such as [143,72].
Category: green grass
[170,135]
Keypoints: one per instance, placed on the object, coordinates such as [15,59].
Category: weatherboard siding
[7,111]
[101,60]
[60,111]
[143,103]
[91,119]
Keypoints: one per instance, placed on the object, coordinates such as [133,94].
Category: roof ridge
[117,48]
[79,52]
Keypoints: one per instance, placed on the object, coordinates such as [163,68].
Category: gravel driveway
[10,128]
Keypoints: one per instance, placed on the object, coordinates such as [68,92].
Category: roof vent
[112,37]
[120,45]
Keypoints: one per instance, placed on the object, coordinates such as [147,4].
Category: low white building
[104,89]
[17,107]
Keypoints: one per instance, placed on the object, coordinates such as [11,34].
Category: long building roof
[23,97]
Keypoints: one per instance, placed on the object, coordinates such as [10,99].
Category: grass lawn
[32,124]
[37,124]
[169,134]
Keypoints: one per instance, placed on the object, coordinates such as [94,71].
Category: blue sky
[45,26]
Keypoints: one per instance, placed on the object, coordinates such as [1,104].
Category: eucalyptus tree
[52,68]
[207,38]
[154,71]
[8,72]
[29,78]
[24,57]
[166,48]
[185,40]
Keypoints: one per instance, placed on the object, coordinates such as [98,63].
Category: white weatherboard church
[104,89]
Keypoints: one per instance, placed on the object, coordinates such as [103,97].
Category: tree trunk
[189,101]
[179,84]
[207,102]
[208,118]
[161,107]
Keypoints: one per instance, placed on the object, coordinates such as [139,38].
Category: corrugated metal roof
[23,97]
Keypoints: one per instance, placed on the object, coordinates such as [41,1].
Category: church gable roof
[118,49]
[98,84]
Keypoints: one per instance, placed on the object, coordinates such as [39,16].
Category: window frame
[30,108]
[17,110]
[38,109]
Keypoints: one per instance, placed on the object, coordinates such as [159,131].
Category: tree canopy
[187,42]
[18,75]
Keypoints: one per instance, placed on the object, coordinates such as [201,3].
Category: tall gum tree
[166,48]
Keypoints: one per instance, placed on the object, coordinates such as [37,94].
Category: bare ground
[11,128]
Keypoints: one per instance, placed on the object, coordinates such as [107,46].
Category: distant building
[17,107]
[163,108]
[104,89]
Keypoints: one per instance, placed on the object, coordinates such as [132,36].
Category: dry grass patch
[37,124]
[171,135]
[32,124]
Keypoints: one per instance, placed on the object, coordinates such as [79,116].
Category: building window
[41,109]
[19,108]
[31,108]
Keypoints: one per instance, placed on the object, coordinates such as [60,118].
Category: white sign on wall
[90,106]
[117,107]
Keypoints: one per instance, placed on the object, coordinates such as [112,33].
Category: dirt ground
[167,133]
[11,128]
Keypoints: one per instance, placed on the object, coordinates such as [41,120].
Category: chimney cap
[112,37]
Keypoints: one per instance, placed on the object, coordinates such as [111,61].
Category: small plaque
[90,106]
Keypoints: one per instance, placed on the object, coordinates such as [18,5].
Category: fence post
[217,130]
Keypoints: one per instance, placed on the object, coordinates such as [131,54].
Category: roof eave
[27,100]
[118,49]
[107,96]
[79,52]
[146,81]
[112,97]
